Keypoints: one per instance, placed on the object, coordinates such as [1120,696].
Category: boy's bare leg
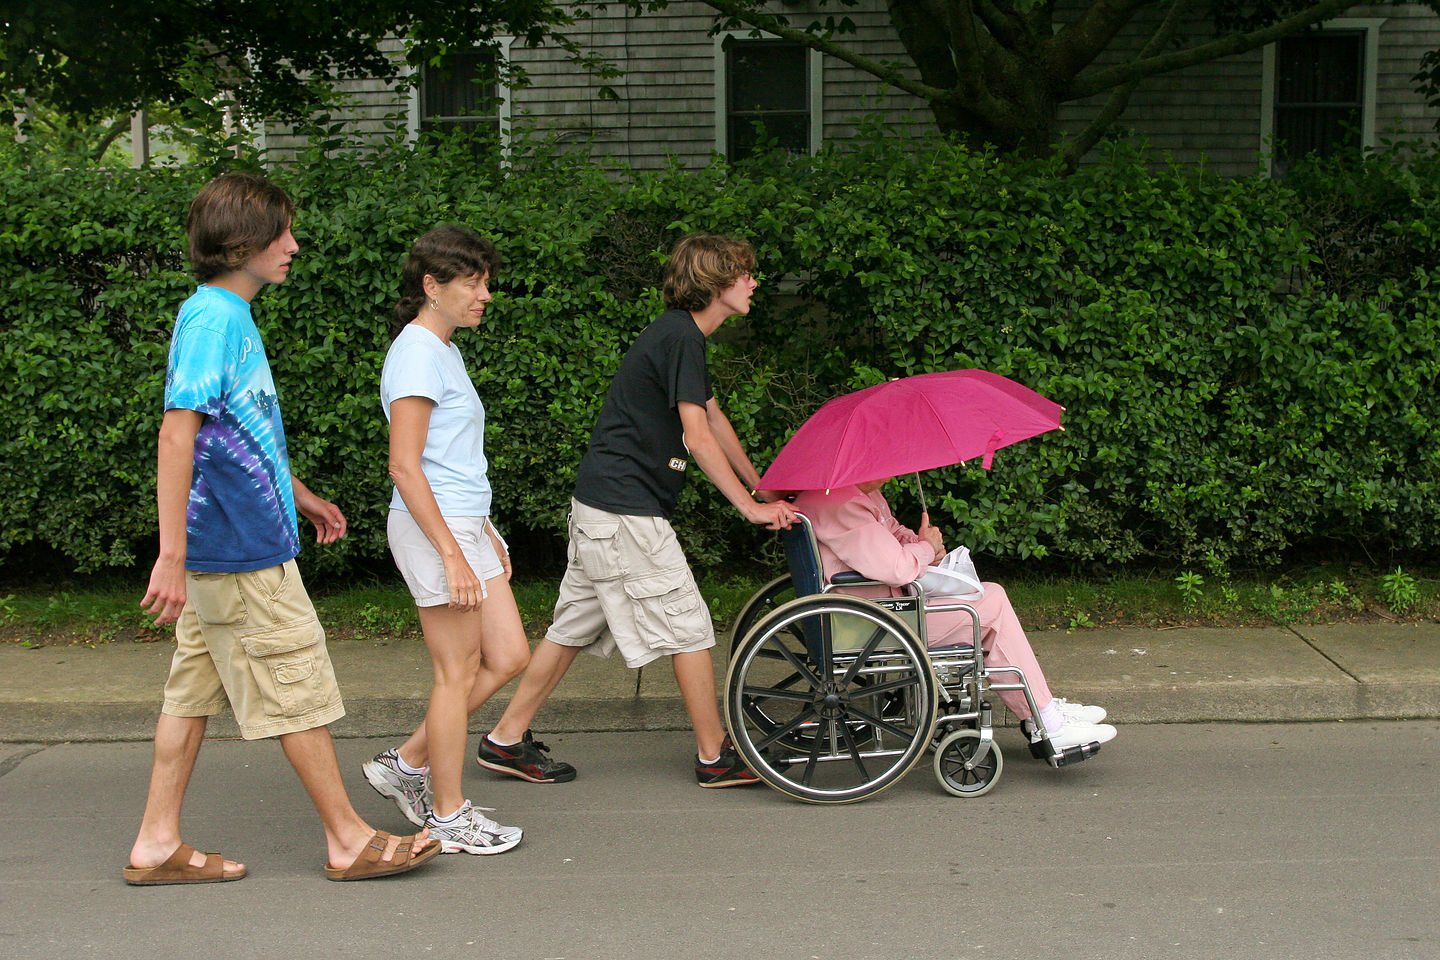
[695,674]
[548,664]
[312,754]
[177,744]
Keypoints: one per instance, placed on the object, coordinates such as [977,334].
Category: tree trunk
[1027,130]
[1000,96]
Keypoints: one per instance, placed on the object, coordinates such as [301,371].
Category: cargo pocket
[669,617]
[597,550]
[216,598]
[292,669]
[284,592]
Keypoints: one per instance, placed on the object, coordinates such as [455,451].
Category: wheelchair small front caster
[957,768]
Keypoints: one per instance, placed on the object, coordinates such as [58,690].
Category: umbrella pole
[921,490]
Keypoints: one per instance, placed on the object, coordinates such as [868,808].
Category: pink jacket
[858,532]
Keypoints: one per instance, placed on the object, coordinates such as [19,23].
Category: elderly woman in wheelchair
[833,695]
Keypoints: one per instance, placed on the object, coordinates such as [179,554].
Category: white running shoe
[1076,735]
[473,832]
[1079,712]
[411,792]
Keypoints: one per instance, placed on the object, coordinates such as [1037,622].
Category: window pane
[767,75]
[767,81]
[1319,69]
[1322,131]
[456,90]
[1318,94]
[791,132]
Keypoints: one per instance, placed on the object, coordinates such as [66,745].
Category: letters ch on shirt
[678,464]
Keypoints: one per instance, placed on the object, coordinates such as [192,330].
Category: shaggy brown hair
[232,218]
[700,266]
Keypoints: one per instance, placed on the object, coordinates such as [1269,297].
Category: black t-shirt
[636,461]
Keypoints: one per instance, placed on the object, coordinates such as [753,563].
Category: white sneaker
[1076,734]
[473,832]
[1079,712]
[411,792]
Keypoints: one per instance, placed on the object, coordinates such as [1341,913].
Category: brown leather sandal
[177,868]
[369,865]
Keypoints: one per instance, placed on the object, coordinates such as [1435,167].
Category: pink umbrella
[905,426]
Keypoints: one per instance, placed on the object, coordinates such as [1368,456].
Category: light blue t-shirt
[420,364]
[241,513]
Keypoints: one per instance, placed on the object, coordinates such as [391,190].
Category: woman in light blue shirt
[452,558]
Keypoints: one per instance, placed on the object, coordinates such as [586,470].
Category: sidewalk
[111,692]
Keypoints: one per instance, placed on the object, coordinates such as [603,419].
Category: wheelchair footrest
[1041,750]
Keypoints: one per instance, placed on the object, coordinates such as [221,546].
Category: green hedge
[1248,366]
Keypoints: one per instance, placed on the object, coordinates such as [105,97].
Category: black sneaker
[525,760]
[728,771]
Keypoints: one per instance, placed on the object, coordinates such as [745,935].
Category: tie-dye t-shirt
[241,514]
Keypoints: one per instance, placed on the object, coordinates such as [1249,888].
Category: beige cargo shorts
[252,639]
[627,587]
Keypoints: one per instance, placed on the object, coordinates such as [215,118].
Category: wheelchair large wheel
[830,699]
[957,769]
[774,594]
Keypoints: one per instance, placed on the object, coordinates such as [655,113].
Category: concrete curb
[110,692]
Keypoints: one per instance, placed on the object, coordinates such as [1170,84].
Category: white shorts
[420,564]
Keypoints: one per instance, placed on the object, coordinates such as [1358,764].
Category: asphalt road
[1238,841]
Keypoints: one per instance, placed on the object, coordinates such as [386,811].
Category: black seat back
[802,554]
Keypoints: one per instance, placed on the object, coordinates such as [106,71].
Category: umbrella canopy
[904,426]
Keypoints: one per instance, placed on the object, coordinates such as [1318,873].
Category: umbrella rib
[944,423]
[839,445]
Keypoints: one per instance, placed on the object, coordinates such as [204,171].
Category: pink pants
[1001,638]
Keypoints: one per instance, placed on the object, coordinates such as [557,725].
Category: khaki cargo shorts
[253,639]
[627,587]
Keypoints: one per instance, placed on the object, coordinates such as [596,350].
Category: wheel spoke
[808,773]
[889,686]
[854,749]
[776,693]
[793,633]
[885,725]
[879,634]
[801,667]
[780,732]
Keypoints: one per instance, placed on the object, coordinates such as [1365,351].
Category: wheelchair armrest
[849,578]
[852,578]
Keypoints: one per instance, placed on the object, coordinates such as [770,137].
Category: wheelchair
[832,698]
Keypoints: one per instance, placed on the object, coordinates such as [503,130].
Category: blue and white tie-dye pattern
[241,514]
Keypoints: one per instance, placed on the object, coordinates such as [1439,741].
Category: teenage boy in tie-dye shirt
[246,632]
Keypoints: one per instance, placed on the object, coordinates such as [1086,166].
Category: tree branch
[1102,80]
[119,126]
[1075,148]
[1077,45]
[982,56]
[1005,26]
[960,25]
[882,71]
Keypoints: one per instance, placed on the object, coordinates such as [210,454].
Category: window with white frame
[464,94]
[769,84]
[1319,92]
